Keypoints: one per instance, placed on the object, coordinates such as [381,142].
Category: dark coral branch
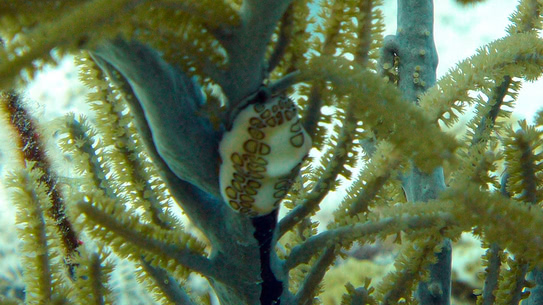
[97,170]
[489,120]
[493,256]
[284,39]
[167,284]
[312,113]
[438,289]
[528,167]
[370,191]
[517,280]
[310,286]
[31,145]
[406,276]
[286,82]
[492,274]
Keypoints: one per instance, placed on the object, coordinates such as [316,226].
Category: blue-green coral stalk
[414,45]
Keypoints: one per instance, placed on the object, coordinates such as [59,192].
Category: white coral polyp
[261,155]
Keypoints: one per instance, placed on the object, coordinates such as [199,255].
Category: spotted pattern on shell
[261,155]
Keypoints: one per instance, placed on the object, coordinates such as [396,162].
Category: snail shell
[261,155]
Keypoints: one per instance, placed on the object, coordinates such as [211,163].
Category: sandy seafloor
[459,31]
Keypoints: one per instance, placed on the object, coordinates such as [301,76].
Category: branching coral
[191,107]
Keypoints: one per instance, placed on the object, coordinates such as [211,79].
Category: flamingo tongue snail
[261,154]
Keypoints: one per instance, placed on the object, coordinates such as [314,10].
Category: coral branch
[159,248]
[512,283]
[32,200]
[358,296]
[170,101]
[217,16]
[493,256]
[246,48]
[387,58]
[204,210]
[517,55]
[285,35]
[137,177]
[536,292]
[390,225]
[484,208]
[31,145]
[93,276]
[310,286]
[363,192]
[66,32]
[286,82]
[382,99]
[410,268]
[168,285]
[527,17]
[332,164]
